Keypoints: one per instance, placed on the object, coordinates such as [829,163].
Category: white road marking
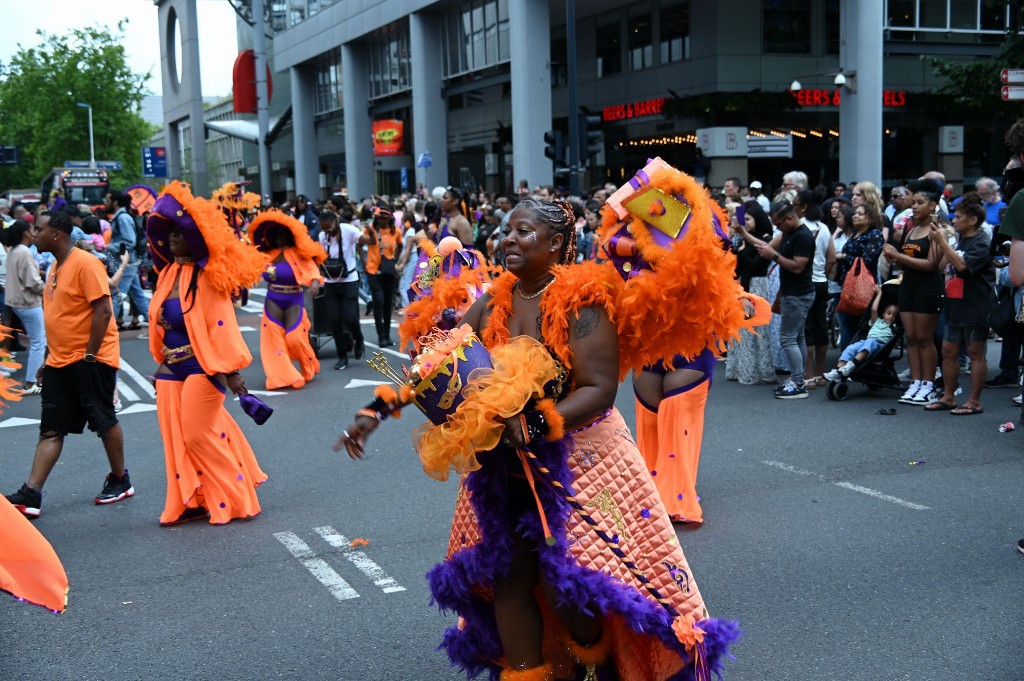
[323,572]
[847,485]
[138,408]
[257,293]
[18,421]
[362,383]
[138,378]
[126,392]
[360,560]
[254,308]
[267,393]
[245,329]
[388,350]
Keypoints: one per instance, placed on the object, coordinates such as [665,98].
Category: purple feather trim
[455,582]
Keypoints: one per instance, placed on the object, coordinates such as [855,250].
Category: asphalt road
[840,558]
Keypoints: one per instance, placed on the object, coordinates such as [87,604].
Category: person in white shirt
[341,283]
[755,191]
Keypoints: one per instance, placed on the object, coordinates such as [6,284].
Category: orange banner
[388,137]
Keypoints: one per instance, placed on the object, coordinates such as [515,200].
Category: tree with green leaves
[39,92]
[974,86]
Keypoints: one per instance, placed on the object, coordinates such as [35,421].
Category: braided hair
[559,217]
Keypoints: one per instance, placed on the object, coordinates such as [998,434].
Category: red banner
[388,137]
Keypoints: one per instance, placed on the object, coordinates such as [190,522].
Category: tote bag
[858,289]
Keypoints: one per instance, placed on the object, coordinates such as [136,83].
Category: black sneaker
[1002,381]
[28,501]
[791,391]
[341,364]
[359,349]
[115,489]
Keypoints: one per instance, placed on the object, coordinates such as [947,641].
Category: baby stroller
[878,370]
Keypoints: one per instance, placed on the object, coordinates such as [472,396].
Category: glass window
[640,49]
[902,13]
[831,28]
[963,14]
[932,13]
[675,33]
[787,26]
[993,16]
[328,83]
[389,61]
[475,36]
[609,50]
[559,63]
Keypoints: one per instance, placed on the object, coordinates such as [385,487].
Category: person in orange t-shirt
[382,271]
[80,373]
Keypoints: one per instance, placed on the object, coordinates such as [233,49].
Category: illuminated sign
[622,112]
[388,137]
[896,98]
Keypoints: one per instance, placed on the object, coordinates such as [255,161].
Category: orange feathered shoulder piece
[575,287]
[305,247]
[685,297]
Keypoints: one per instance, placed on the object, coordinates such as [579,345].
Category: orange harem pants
[670,442]
[209,462]
[280,346]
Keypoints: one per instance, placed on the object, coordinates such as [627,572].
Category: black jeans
[342,300]
[382,288]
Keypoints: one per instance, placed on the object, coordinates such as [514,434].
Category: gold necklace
[57,267]
[183,259]
[519,290]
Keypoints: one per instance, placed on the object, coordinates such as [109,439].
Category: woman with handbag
[866,243]
[341,283]
[921,296]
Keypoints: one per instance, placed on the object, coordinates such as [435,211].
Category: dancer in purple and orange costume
[292,264]
[237,204]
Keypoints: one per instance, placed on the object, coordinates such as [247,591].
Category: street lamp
[92,149]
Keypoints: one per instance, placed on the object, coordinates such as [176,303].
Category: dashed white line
[317,567]
[365,564]
[138,378]
[847,485]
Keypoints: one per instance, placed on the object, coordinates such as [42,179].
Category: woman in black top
[750,360]
[921,294]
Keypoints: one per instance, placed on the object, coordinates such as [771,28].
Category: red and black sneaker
[115,489]
[28,501]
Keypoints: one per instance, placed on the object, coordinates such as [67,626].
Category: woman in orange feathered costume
[194,337]
[291,264]
[561,561]
[678,305]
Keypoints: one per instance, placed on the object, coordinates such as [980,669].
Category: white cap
[755,185]
[438,193]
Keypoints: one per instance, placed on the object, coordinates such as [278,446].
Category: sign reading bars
[388,137]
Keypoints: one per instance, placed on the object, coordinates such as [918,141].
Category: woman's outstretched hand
[353,438]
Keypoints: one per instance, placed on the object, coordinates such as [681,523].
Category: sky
[218,45]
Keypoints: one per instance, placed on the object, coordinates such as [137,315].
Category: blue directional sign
[424,160]
[404,174]
[154,161]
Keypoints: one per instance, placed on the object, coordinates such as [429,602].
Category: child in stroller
[867,359]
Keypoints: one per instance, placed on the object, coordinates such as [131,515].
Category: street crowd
[911,269]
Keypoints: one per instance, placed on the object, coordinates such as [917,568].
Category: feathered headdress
[233,195]
[227,263]
[266,223]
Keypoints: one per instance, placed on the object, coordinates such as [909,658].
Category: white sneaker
[903,374]
[1018,401]
[118,406]
[833,375]
[908,397]
[847,369]
[924,395]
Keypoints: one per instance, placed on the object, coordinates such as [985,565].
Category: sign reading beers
[388,137]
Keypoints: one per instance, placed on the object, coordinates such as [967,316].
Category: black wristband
[536,425]
[382,408]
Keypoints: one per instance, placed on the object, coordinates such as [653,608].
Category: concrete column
[860,112]
[173,152]
[530,49]
[358,131]
[190,66]
[307,160]
[429,117]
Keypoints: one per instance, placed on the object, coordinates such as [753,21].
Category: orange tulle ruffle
[521,368]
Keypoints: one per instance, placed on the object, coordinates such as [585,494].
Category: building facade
[468,88]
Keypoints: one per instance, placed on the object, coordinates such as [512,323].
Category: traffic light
[590,135]
[554,148]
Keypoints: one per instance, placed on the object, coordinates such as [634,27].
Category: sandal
[966,410]
[820,381]
[940,406]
